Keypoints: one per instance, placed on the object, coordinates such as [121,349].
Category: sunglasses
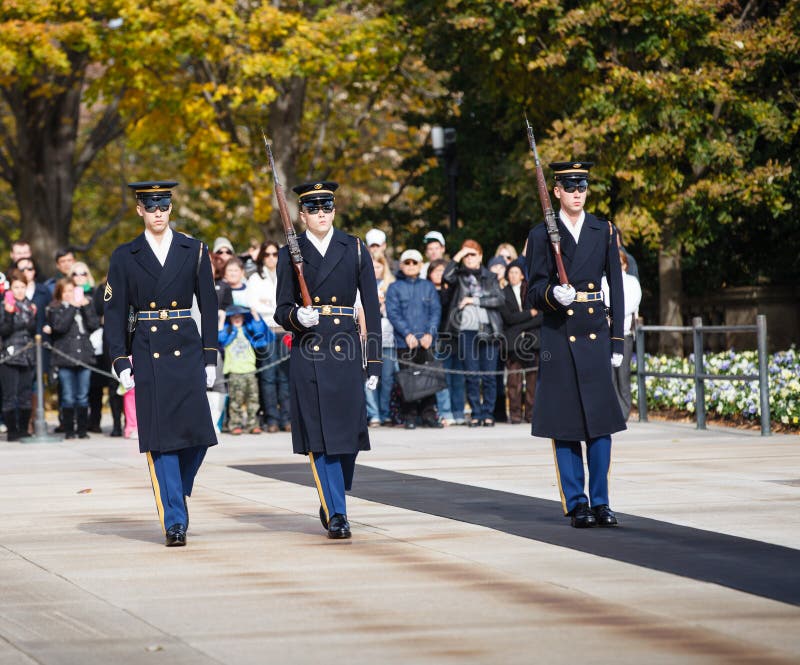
[224,251]
[571,185]
[152,206]
[80,274]
[314,208]
[28,268]
[504,256]
[410,262]
[270,253]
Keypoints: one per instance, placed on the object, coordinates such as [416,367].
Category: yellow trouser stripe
[558,478]
[319,486]
[156,490]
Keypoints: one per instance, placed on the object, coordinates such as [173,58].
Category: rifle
[288,228]
[547,208]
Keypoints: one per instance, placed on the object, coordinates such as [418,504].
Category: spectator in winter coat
[72,318]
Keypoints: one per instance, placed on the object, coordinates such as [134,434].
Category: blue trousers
[172,475]
[569,470]
[378,401]
[273,383]
[333,475]
[479,356]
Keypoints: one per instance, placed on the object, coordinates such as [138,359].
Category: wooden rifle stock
[288,227]
[547,208]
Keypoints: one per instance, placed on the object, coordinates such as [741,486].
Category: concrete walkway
[85,578]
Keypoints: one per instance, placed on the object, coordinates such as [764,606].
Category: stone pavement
[459,554]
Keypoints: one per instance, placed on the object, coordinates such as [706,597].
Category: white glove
[564,294]
[616,359]
[308,316]
[126,379]
[211,376]
[372,383]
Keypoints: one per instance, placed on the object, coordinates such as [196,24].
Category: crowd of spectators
[467,313]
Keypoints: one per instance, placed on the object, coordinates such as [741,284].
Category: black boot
[115,402]
[24,419]
[82,418]
[10,418]
[68,422]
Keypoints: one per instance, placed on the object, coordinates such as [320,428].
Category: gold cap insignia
[318,185]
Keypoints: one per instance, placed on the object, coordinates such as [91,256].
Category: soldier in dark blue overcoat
[328,362]
[575,399]
[151,284]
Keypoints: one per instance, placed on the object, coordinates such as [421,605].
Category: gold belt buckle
[581,296]
[163,314]
[327,310]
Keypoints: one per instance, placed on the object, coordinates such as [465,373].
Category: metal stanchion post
[641,402]
[699,382]
[39,425]
[763,374]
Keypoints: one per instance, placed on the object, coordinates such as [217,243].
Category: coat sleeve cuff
[121,364]
[210,356]
[617,345]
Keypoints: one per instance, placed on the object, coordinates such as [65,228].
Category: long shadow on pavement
[747,565]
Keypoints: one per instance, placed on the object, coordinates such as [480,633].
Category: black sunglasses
[571,185]
[151,205]
[314,208]
[270,253]
[224,251]
[410,262]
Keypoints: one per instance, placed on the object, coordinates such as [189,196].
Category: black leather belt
[164,314]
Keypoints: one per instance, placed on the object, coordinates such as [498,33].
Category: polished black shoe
[323,518]
[582,517]
[435,424]
[339,527]
[176,535]
[116,432]
[604,515]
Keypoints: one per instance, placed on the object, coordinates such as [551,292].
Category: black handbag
[423,380]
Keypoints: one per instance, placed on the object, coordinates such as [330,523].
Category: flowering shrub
[729,400]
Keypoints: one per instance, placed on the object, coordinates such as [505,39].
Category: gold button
[177,352]
[336,321]
[333,299]
[316,348]
[316,298]
[572,338]
[174,303]
[337,348]
[152,305]
[156,355]
[174,326]
[591,310]
[153,328]
[592,336]
[570,312]
[591,285]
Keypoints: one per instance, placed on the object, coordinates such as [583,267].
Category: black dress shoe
[339,527]
[433,423]
[475,423]
[323,518]
[604,515]
[176,535]
[582,517]
[116,432]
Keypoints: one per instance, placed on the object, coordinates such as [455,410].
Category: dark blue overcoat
[325,366]
[575,399]
[169,356]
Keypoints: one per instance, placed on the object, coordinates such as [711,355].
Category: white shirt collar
[575,231]
[159,249]
[320,245]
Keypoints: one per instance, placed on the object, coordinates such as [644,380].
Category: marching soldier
[326,374]
[151,282]
[575,399]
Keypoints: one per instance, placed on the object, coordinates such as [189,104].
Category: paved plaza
[459,554]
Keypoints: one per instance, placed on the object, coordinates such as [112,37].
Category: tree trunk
[43,170]
[285,118]
[670,287]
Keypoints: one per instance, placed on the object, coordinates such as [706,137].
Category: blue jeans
[74,383]
[479,356]
[378,400]
[273,383]
[452,404]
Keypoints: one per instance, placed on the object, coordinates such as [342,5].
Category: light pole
[444,147]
